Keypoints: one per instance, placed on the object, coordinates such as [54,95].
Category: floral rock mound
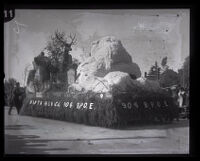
[107,55]
[118,81]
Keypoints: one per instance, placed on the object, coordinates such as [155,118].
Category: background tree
[8,88]
[169,78]
[184,73]
[164,64]
[164,61]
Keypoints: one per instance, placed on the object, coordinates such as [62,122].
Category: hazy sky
[148,35]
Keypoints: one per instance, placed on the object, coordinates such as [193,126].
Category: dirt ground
[31,135]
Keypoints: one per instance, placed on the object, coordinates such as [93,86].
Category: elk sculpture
[53,68]
[59,48]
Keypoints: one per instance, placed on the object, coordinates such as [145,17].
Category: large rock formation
[110,67]
[107,55]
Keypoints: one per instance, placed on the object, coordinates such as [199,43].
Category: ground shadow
[175,124]
[20,144]
[19,127]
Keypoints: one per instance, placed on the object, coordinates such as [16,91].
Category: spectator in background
[169,90]
[187,98]
[174,95]
[181,97]
[11,99]
[16,99]
[187,104]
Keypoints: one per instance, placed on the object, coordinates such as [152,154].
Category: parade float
[106,89]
